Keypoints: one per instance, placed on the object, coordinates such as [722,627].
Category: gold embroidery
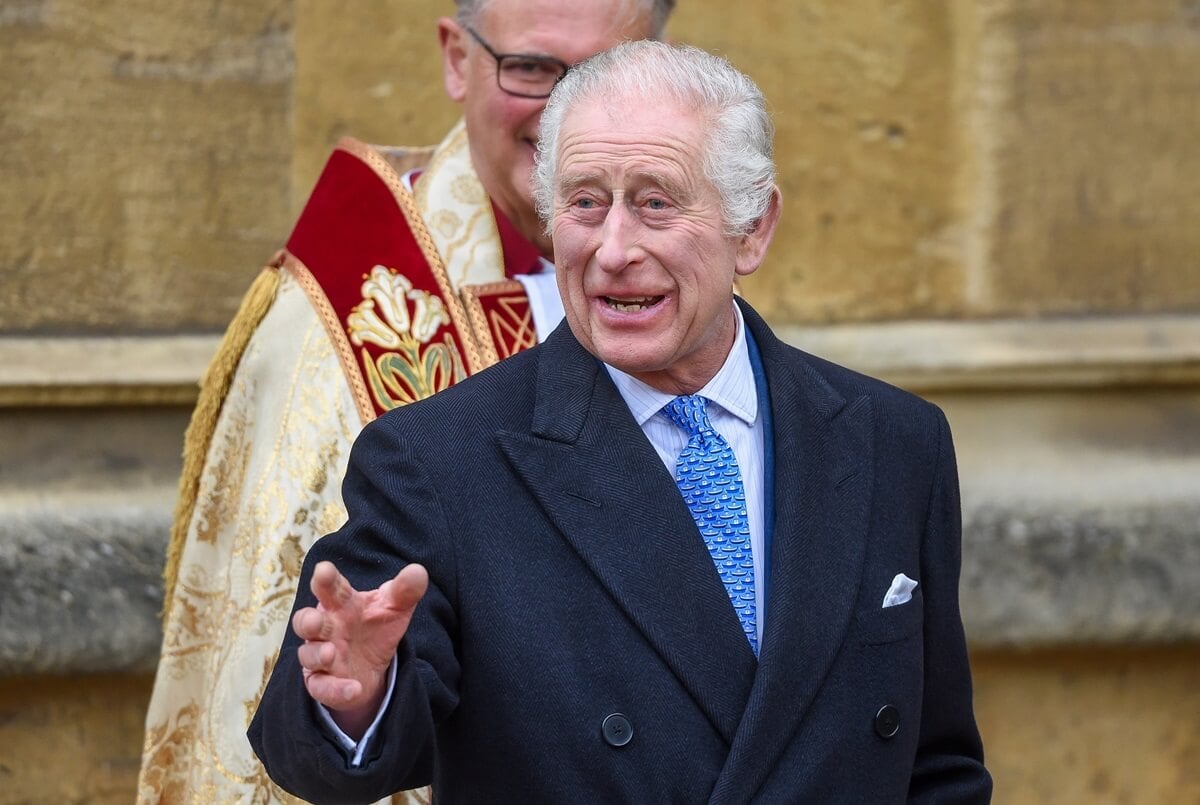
[445,223]
[468,190]
[517,327]
[506,329]
[229,473]
[413,368]
[271,488]
[453,148]
[337,336]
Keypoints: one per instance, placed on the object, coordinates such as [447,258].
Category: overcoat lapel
[600,482]
[823,480]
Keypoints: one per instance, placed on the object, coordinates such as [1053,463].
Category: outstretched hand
[350,638]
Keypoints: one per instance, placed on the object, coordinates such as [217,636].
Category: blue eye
[656,204]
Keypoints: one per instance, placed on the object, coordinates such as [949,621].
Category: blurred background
[991,202]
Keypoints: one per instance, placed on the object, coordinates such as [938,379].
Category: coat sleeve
[949,762]
[395,519]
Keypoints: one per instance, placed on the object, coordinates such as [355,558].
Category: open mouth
[632,304]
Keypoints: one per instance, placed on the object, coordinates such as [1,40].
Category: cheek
[567,277]
[570,256]
[511,117]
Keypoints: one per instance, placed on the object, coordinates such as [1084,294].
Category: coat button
[887,721]
[617,730]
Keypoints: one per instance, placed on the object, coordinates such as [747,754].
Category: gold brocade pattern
[279,447]
[269,488]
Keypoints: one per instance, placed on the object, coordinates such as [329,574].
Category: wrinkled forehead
[615,147]
[624,115]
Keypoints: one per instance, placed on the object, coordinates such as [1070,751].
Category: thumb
[406,588]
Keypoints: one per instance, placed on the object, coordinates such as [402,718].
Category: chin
[632,363]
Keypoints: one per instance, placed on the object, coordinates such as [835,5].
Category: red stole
[364,256]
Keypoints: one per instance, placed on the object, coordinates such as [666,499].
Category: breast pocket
[883,625]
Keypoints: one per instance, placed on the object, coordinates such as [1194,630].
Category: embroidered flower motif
[412,368]
[386,291]
[429,315]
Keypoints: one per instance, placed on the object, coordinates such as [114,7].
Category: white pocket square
[900,592]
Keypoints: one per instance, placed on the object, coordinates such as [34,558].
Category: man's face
[644,268]
[503,129]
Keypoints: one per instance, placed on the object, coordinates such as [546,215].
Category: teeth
[630,305]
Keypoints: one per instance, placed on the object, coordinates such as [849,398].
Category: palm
[351,636]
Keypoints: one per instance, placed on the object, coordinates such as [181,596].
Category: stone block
[72,739]
[1078,133]
[1053,576]
[860,95]
[1081,727]
[375,75]
[146,155]
[85,587]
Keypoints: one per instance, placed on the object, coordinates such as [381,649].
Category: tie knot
[690,413]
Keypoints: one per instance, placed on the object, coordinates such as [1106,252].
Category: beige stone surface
[1006,157]
[1091,727]
[374,74]
[76,740]
[859,95]
[145,155]
[74,371]
[1079,121]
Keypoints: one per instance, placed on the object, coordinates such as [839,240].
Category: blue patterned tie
[708,476]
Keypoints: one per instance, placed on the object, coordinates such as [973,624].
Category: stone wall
[989,201]
[146,150]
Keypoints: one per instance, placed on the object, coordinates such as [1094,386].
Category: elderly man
[392,286]
[705,566]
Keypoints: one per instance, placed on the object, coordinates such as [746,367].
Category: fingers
[331,691]
[329,586]
[350,637]
[311,623]
[317,657]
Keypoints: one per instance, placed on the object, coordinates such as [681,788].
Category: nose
[618,239]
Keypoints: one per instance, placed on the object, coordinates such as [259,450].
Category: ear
[753,247]
[452,39]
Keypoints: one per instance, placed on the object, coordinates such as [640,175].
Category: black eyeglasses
[524,75]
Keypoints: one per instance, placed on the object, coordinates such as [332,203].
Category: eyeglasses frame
[500,57]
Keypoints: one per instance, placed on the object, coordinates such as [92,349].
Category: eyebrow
[569,184]
[672,188]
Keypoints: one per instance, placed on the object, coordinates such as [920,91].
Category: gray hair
[660,10]
[737,152]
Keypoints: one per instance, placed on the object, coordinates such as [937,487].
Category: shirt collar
[732,387]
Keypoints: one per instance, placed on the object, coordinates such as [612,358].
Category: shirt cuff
[359,748]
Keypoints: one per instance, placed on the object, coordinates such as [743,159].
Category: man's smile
[631,304]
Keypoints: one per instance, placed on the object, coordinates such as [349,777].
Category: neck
[527,223]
